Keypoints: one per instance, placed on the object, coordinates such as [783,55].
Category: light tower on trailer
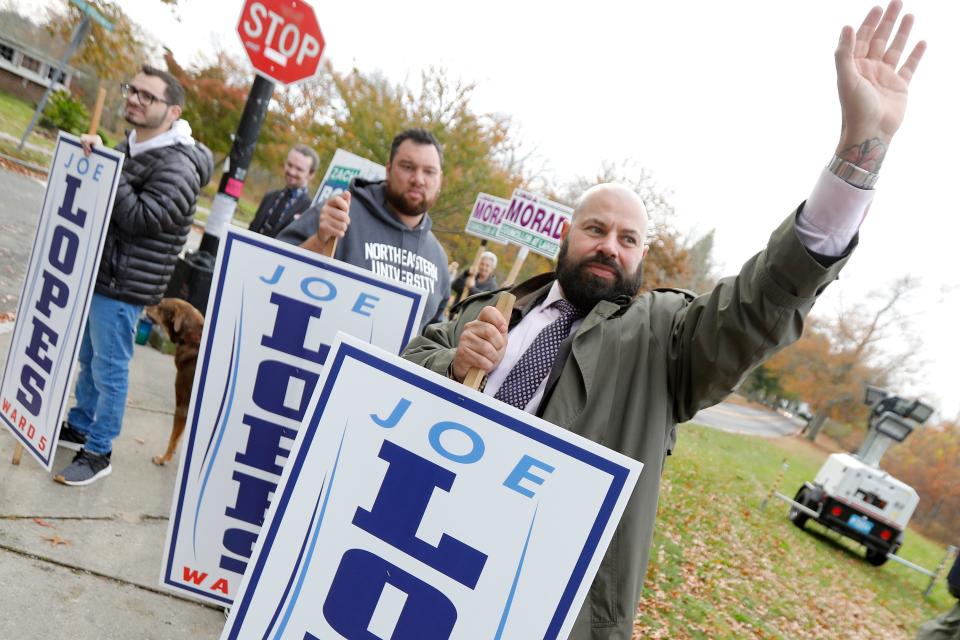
[852,495]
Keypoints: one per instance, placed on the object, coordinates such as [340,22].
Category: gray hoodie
[378,241]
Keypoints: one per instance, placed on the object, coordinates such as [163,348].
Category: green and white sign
[534,222]
[345,167]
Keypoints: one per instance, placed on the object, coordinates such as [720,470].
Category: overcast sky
[731,105]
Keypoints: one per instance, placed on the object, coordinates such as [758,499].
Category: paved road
[736,418]
[19,209]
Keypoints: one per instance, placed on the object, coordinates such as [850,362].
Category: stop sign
[282,39]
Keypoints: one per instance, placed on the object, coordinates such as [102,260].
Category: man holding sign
[152,213]
[385,226]
[583,351]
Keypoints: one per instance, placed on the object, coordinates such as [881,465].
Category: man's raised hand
[873,90]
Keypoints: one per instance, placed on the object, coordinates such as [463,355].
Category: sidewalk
[84,562]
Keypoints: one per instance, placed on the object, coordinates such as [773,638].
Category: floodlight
[920,412]
[893,426]
[872,395]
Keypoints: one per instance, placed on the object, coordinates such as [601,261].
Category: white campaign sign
[534,222]
[275,309]
[485,217]
[344,167]
[414,507]
[55,298]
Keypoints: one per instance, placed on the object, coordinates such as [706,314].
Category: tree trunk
[813,427]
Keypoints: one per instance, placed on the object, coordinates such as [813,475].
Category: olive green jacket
[637,367]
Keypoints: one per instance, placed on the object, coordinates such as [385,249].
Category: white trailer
[853,496]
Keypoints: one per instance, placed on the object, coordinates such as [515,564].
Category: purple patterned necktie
[535,363]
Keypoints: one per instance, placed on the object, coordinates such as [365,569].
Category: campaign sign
[56,293]
[534,222]
[414,507]
[344,167]
[484,220]
[275,310]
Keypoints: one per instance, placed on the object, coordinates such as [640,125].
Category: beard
[143,119]
[584,290]
[397,200]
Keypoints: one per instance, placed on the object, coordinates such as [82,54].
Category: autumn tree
[833,360]
[929,461]
[107,56]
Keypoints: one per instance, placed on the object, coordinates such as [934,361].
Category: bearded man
[584,350]
[384,226]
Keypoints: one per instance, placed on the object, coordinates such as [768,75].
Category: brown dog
[184,326]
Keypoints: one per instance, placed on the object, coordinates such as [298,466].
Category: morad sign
[56,293]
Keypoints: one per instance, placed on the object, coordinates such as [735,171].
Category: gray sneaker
[86,468]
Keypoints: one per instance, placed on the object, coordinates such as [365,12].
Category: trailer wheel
[876,557]
[797,517]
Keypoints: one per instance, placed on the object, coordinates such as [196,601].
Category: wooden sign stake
[97,111]
[475,377]
[330,247]
[515,270]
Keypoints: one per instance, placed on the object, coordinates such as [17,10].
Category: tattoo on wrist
[868,155]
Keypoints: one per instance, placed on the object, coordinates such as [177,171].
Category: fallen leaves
[56,541]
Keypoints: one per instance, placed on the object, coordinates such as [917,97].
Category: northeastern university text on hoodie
[378,241]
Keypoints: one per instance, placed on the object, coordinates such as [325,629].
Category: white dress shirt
[826,225]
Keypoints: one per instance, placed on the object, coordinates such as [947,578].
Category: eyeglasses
[144,97]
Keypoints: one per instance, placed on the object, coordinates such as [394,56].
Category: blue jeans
[105,354]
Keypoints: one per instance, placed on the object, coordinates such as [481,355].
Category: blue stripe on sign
[516,578]
[221,428]
[313,542]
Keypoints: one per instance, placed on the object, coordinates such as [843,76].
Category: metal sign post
[79,35]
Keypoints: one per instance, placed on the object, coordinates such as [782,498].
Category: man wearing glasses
[156,198]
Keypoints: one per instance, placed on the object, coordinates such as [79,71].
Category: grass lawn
[721,568]
[15,115]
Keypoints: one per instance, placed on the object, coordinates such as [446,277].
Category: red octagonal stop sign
[282,39]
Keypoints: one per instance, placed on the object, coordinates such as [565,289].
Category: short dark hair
[174,93]
[304,150]
[419,136]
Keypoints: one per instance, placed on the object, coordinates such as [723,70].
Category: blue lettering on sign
[270,389]
[275,277]
[263,445]
[280,389]
[31,388]
[522,472]
[398,412]
[327,290]
[63,250]
[476,444]
[290,328]
[363,303]
[62,256]
[66,208]
[400,506]
[253,498]
[427,613]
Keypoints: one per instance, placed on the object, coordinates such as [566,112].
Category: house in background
[26,72]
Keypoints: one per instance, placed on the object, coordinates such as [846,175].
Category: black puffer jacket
[152,214]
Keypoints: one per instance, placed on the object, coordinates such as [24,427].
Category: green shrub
[66,113]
